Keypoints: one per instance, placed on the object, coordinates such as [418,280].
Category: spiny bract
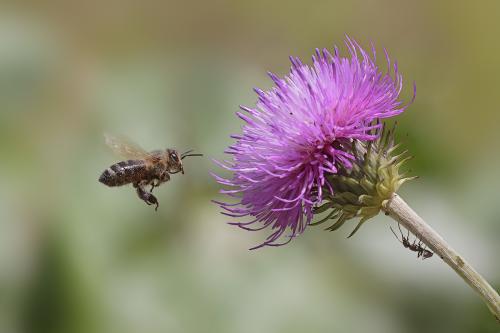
[361,190]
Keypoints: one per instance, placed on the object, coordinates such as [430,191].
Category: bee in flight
[142,168]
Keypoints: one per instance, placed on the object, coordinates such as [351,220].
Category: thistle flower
[301,131]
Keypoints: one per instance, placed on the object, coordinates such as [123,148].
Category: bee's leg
[147,197]
[164,177]
[153,185]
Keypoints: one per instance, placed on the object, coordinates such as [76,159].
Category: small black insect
[415,247]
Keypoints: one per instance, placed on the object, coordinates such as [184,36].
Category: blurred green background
[76,256]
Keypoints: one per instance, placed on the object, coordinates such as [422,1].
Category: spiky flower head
[301,131]
[362,190]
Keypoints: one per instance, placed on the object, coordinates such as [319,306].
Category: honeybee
[142,168]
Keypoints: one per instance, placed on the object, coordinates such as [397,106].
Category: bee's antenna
[187,153]
[191,155]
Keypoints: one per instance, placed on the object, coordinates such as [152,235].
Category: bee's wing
[125,148]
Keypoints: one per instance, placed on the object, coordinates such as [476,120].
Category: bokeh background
[76,256]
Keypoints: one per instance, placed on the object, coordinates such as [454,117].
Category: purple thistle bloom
[300,131]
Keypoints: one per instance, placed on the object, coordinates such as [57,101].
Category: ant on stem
[415,247]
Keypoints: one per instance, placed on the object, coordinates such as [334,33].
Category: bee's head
[175,160]
[174,164]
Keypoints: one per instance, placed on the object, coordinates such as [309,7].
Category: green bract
[362,190]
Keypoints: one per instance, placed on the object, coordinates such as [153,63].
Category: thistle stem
[399,210]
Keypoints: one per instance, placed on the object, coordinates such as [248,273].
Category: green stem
[399,210]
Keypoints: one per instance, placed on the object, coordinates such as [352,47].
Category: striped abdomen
[124,172]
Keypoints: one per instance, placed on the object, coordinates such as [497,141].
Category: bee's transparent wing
[125,148]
